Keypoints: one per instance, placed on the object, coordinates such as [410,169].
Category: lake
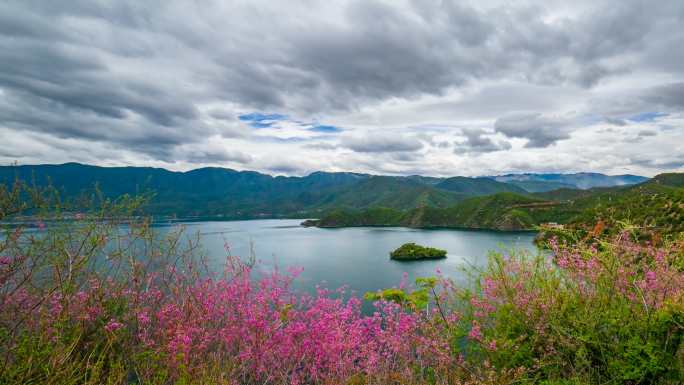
[357,257]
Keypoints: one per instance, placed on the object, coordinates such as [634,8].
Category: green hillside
[391,192]
[220,192]
[649,205]
[566,194]
[477,186]
[656,204]
[503,211]
[352,199]
[375,216]
[669,179]
[200,192]
[540,186]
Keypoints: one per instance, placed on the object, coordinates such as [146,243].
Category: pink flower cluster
[113,325]
[266,326]
[261,329]
[644,274]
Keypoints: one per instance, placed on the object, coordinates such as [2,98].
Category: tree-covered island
[411,252]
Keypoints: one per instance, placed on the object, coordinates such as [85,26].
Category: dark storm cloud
[640,136]
[284,167]
[668,95]
[430,48]
[27,112]
[223,115]
[669,163]
[215,155]
[156,75]
[405,156]
[78,78]
[644,133]
[540,131]
[616,121]
[378,51]
[477,141]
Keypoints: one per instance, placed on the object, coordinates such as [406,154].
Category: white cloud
[440,88]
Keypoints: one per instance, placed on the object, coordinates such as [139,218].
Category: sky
[395,87]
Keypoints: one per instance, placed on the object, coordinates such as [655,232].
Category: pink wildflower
[113,325]
[404,279]
[475,332]
[143,318]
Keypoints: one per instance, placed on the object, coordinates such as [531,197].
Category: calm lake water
[357,257]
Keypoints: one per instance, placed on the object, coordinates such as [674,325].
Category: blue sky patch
[259,120]
[647,116]
[324,128]
[263,120]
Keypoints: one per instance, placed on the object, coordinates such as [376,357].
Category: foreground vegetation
[103,299]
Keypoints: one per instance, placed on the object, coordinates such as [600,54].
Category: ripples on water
[356,257]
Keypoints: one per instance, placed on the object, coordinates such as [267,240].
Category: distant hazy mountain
[655,204]
[229,193]
[582,180]
[247,194]
[205,191]
[392,192]
[477,186]
[498,211]
[534,186]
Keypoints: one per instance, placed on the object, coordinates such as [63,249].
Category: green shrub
[411,251]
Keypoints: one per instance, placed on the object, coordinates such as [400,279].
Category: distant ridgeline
[656,204]
[507,202]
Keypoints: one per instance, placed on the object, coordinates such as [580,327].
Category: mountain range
[657,203]
[227,193]
[582,180]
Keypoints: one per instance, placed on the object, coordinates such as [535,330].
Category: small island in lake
[413,252]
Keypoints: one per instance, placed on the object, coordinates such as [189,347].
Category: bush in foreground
[103,299]
[609,312]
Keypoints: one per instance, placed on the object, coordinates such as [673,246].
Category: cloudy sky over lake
[387,87]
